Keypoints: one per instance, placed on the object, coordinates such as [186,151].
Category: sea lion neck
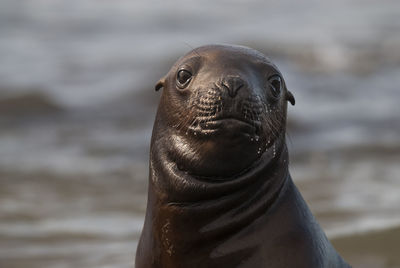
[188,212]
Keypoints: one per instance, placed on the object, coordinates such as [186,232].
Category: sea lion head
[221,109]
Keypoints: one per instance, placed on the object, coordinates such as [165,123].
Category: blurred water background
[77,104]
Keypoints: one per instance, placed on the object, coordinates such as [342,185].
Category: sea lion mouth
[220,124]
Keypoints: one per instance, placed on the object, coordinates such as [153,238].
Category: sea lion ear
[160,84]
[290,97]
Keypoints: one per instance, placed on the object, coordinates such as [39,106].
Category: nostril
[232,85]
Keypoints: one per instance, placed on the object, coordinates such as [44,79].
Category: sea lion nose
[232,84]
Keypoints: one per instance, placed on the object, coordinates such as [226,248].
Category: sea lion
[220,193]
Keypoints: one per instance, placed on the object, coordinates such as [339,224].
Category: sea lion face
[226,106]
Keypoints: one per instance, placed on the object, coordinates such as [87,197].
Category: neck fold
[189,212]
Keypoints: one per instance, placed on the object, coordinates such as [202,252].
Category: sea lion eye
[183,78]
[275,85]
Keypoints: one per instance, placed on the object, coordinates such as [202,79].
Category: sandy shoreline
[375,249]
[49,219]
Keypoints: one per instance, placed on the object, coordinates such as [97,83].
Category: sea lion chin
[220,193]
